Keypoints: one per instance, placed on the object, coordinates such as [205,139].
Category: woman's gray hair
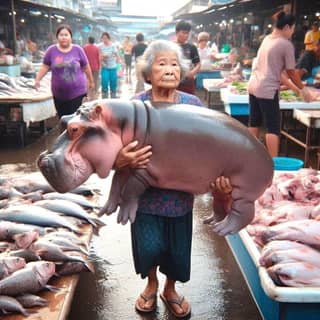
[153,49]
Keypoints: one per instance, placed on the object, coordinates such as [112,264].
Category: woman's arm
[42,72]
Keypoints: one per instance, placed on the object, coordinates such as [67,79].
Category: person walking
[137,51]
[127,51]
[109,58]
[190,51]
[93,55]
[71,73]
[275,56]
[162,232]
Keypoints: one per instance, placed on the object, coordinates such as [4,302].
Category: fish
[77,198]
[67,244]
[26,254]
[52,252]
[9,229]
[73,267]
[295,274]
[9,265]
[11,305]
[71,209]
[304,254]
[306,231]
[31,214]
[31,279]
[68,235]
[29,300]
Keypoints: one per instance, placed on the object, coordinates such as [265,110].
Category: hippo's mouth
[61,176]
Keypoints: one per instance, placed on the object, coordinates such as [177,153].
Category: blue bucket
[289,164]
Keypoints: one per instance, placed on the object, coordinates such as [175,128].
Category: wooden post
[14,28]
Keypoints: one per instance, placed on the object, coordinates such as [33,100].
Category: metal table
[310,118]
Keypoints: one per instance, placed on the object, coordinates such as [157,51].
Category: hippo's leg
[118,181]
[240,215]
[130,194]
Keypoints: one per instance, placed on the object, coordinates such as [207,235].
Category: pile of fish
[42,236]
[22,87]
[286,228]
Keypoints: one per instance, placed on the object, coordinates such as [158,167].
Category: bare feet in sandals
[147,301]
[176,304]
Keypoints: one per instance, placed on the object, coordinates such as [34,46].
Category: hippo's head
[89,144]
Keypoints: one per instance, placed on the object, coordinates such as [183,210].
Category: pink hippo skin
[191,147]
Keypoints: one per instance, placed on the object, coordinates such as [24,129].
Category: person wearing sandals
[162,231]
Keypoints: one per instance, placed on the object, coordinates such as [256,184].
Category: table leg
[306,152]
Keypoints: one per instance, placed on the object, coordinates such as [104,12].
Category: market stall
[295,298]
[21,105]
[71,251]
[17,113]
[305,113]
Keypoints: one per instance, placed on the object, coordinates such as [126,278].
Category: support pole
[14,28]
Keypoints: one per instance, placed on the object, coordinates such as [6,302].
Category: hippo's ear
[97,112]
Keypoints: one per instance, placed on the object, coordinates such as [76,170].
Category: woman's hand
[306,94]
[129,156]
[37,84]
[221,188]
[91,85]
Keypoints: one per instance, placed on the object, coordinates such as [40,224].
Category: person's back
[139,48]
[273,56]
[137,51]
[92,53]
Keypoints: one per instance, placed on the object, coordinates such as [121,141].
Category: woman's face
[64,38]
[165,71]
[105,39]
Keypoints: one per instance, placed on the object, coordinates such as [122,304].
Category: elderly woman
[162,231]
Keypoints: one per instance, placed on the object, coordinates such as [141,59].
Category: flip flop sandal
[178,301]
[146,298]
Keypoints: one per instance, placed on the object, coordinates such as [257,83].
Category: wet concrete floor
[216,291]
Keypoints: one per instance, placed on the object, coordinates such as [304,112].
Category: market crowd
[162,232]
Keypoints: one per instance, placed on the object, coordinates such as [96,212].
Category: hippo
[191,147]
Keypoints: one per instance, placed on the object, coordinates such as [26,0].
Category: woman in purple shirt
[70,71]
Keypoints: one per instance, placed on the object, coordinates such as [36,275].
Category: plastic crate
[289,164]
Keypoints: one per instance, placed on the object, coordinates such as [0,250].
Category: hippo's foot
[127,212]
[109,208]
[231,224]
[215,217]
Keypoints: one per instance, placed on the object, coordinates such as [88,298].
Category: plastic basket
[284,163]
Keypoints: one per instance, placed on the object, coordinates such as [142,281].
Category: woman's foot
[177,304]
[147,301]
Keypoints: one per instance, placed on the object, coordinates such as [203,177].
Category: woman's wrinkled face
[64,38]
[165,71]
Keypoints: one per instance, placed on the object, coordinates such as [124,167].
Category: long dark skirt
[66,107]
[164,242]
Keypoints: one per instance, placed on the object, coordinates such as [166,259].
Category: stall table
[208,74]
[274,302]
[310,118]
[32,109]
[238,106]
